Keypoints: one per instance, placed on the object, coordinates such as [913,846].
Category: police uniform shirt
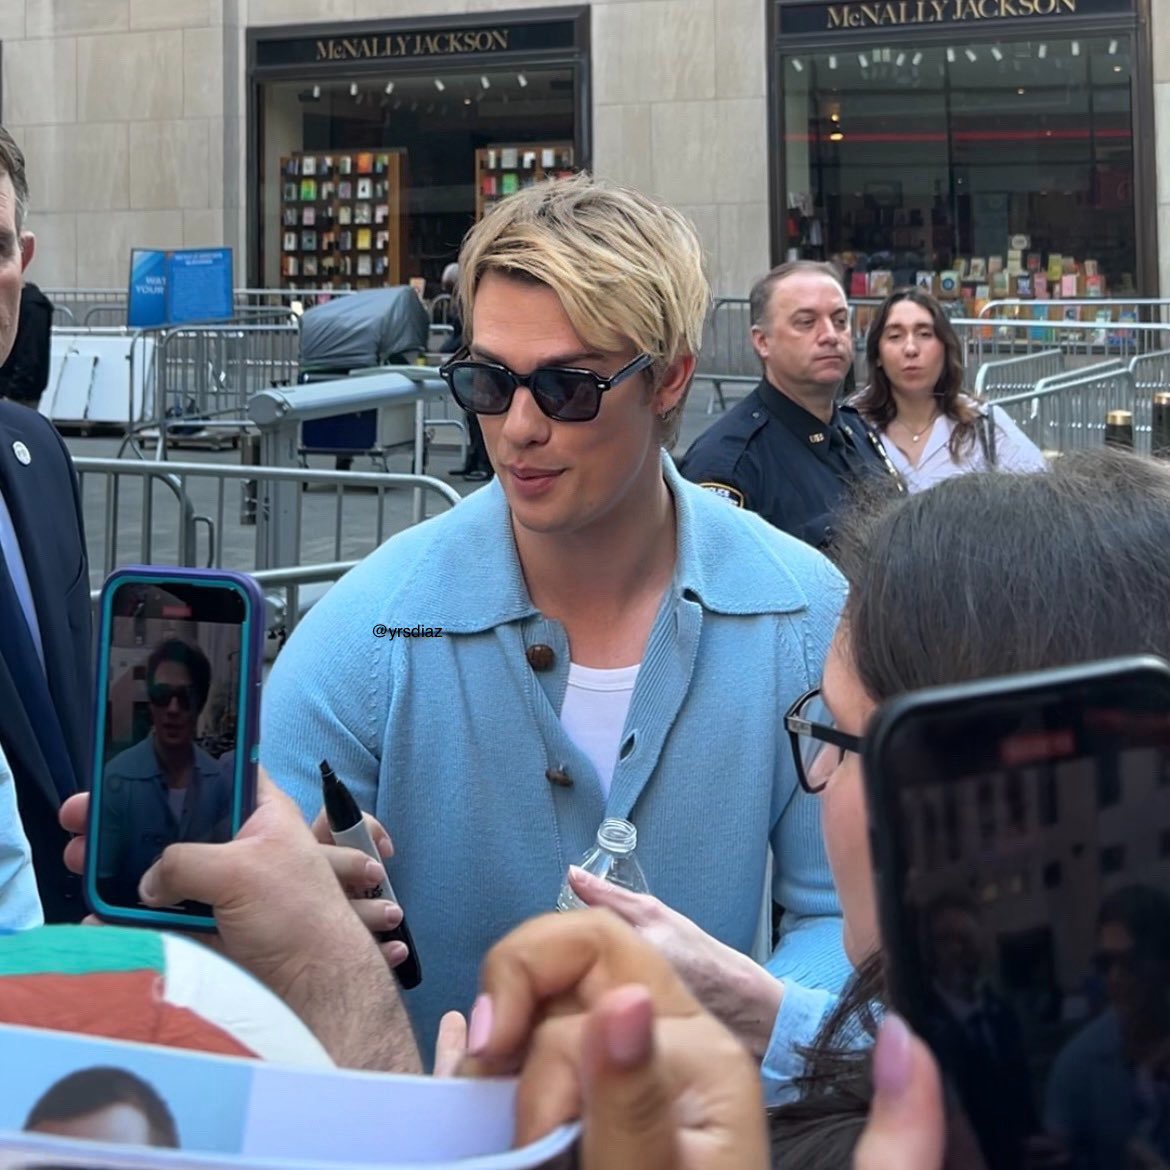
[772,456]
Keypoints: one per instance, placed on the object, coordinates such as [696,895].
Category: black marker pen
[349,828]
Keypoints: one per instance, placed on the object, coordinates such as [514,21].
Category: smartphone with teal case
[176,727]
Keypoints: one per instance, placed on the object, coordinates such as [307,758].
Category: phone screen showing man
[168,739]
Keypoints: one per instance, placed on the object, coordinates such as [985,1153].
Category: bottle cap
[617,836]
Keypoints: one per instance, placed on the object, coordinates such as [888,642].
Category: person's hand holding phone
[280,913]
[353,869]
[906,1128]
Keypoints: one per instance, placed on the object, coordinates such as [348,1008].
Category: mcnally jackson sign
[864,14]
[485,40]
[416,44]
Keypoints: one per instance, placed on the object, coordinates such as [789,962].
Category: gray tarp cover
[363,329]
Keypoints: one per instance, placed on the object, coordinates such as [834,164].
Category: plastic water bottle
[611,859]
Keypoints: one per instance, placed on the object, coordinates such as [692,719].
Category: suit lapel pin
[22,453]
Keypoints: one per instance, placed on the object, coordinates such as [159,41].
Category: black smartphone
[175,729]
[1020,830]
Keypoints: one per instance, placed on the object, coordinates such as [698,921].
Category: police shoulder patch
[726,491]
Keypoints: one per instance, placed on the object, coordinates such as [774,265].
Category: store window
[978,168]
[377,150]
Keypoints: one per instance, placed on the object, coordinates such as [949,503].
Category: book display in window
[504,170]
[325,192]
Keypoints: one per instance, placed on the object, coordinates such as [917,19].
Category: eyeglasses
[160,695]
[811,730]
[565,395]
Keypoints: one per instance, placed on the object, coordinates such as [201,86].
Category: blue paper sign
[199,285]
[148,289]
[179,287]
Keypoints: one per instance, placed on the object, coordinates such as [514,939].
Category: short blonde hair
[625,267]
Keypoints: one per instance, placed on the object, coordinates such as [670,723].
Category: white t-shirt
[177,798]
[594,713]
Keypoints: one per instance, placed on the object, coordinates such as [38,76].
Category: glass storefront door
[997,168]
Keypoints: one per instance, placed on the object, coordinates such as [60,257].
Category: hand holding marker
[349,828]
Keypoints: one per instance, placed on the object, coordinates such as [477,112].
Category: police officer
[788,451]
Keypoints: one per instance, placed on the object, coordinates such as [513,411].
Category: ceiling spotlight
[316,91]
[389,88]
[863,60]
[522,79]
[439,84]
[485,83]
[836,134]
[1076,48]
[901,60]
[1112,48]
[1116,68]
[997,52]
[353,89]
[467,101]
[797,64]
[1042,52]
[832,61]
[971,55]
[950,56]
[1021,91]
[916,59]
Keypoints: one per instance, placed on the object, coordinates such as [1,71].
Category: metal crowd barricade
[1066,412]
[76,303]
[727,356]
[204,375]
[1151,372]
[187,514]
[1146,310]
[1081,344]
[279,413]
[1009,376]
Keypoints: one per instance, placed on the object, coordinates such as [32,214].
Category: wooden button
[540,656]
[559,777]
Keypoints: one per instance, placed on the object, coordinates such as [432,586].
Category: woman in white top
[928,426]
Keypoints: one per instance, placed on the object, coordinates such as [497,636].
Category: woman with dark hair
[1100,593]
[929,427]
[905,627]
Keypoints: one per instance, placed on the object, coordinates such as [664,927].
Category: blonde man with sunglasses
[616,642]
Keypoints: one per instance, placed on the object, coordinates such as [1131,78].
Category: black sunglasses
[160,695]
[810,728]
[565,395]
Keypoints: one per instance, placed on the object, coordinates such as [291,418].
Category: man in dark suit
[46,674]
[978,1033]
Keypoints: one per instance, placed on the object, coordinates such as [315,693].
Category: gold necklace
[915,437]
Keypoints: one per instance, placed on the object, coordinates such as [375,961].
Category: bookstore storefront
[980,148]
[374,148]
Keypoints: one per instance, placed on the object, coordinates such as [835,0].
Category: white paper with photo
[248,1115]
[20,1151]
